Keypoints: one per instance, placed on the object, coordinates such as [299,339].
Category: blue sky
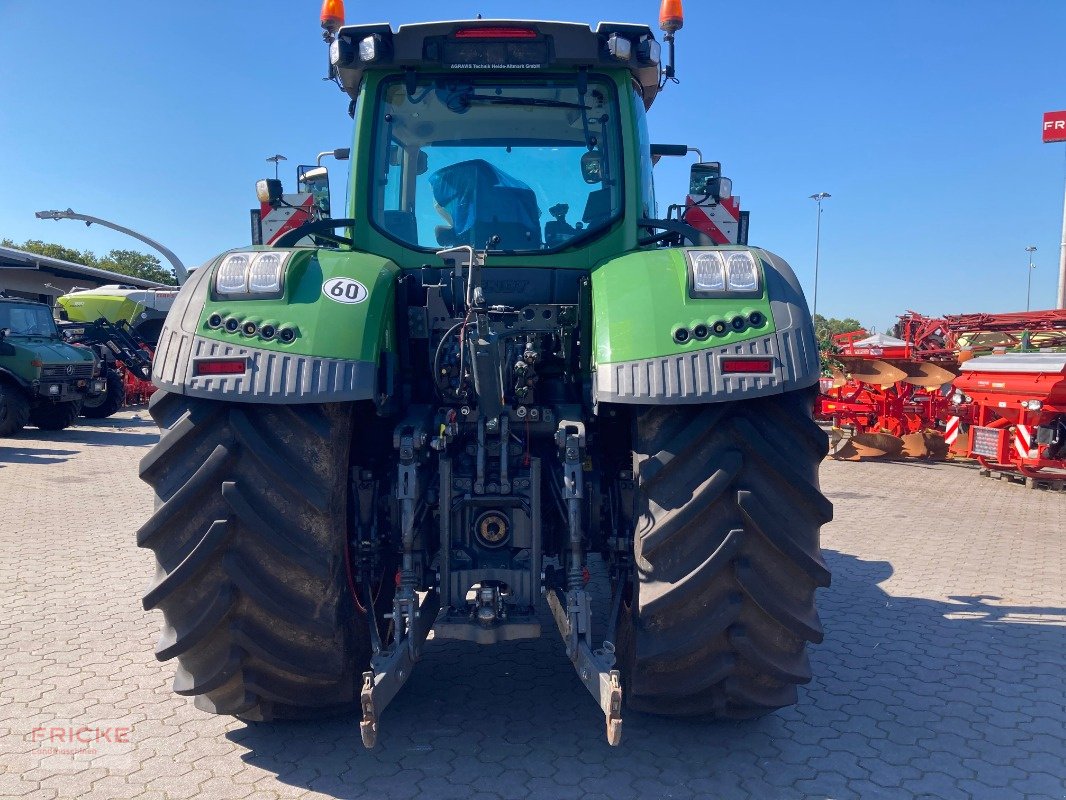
[922,119]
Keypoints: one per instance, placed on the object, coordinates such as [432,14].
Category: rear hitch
[573,612]
[390,669]
[594,667]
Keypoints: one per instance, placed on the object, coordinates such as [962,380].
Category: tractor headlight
[718,273]
[264,275]
[708,272]
[368,48]
[649,50]
[741,273]
[253,274]
[232,275]
[620,47]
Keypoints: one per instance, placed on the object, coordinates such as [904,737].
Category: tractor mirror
[423,163]
[592,167]
[705,180]
[268,190]
[4,333]
[315,181]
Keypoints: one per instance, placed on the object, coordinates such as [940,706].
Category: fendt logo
[1055,126]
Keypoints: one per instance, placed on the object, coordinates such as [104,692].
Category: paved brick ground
[941,675]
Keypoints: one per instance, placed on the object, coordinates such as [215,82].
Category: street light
[1029,286]
[818,198]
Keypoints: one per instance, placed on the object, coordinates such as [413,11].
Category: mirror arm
[679,150]
[671,226]
[323,226]
[341,154]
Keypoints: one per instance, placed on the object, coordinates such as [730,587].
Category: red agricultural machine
[890,391]
[990,386]
[1020,414]
[886,384]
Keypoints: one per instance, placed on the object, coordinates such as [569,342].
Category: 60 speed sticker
[344,290]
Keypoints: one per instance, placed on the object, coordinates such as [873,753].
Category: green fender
[654,343]
[340,349]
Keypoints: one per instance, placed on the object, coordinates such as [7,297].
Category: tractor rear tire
[726,555]
[14,408]
[103,406]
[249,534]
[55,416]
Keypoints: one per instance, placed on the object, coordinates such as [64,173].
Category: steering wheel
[320,228]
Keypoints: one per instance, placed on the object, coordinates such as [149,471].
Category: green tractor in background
[122,325]
[143,310]
[440,413]
[43,379]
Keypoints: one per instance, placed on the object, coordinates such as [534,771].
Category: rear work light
[221,366]
[496,33]
[761,366]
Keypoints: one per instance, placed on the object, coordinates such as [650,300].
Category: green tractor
[121,324]
[143,310]
[439,415]
[43,380]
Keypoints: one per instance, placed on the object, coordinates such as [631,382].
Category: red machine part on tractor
[127,360]
[138,389]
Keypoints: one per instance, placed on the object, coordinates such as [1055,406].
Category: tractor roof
[497,46]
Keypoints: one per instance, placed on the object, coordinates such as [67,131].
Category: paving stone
[940,675]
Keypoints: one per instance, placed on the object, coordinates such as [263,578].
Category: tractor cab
[521,139]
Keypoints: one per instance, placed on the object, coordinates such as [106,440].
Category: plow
[122,325]
[890,391]
[986,386]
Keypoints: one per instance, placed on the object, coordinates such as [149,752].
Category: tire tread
[725,634]
[249,536]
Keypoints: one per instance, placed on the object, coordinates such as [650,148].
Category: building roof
[10,258]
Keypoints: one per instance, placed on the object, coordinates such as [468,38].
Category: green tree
[829,327]
[126,262]
[824,331]
[51,250]
[140,265]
